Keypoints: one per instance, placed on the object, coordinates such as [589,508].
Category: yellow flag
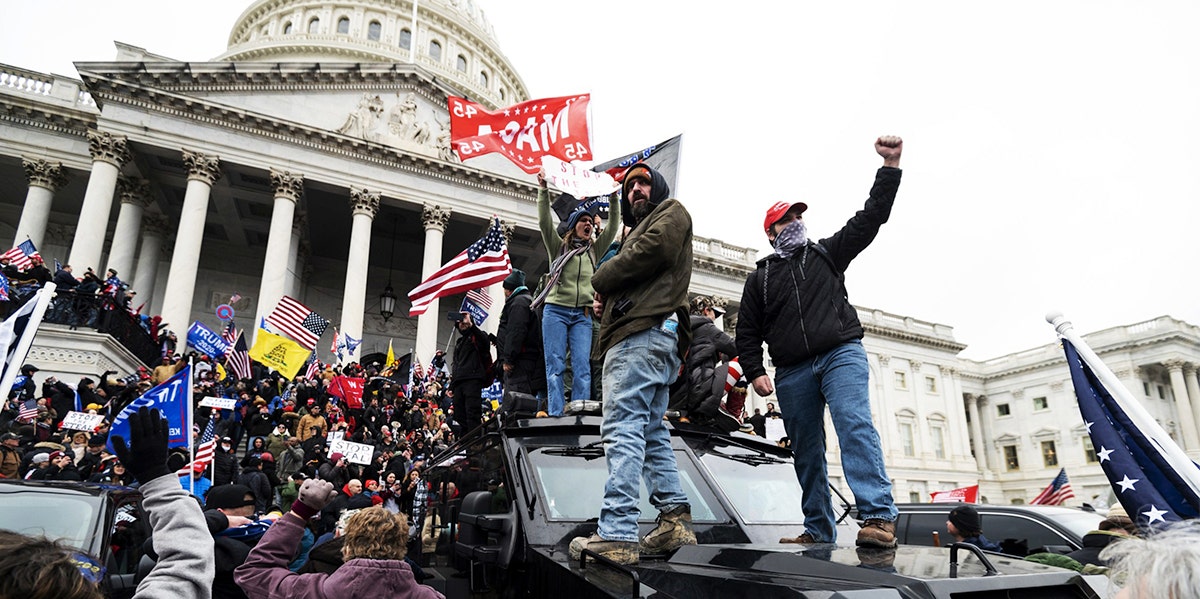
[280,353]
[220,372]
[391,357]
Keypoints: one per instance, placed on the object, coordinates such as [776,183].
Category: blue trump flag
[172,398]
[1150,476]
[206,341]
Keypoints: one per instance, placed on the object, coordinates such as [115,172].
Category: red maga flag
[960,495]
[349,389]
[481,264]
[524,132]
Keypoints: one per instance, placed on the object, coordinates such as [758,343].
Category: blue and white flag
[3,288]
[207,341]
[17,333]
[495,391]
[1150,475]
[172,398]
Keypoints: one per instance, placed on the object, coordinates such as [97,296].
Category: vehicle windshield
[67,518]
[571,481]
[763,489]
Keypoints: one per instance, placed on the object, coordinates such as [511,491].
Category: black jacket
[225,467]
[800,306]
[1093,543]
[519,343]
[65,280]
[472,357]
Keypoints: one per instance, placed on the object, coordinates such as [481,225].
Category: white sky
[1050,147]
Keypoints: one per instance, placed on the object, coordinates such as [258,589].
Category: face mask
[793,237]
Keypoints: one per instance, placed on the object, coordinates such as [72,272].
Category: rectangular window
[1146,388]
[1089,451]
[906,439]
[939,442]
[1002,409]
[914,497]
[930,384]
[901,380]
[1162,392]
[1011,462]
[1049,456]
[1040,403]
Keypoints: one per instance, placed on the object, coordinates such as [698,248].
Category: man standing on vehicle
[796,302]
[642,297]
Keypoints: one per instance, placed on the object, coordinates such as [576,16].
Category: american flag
[205,446]
[295,319]
[483,263]
[238,358]
[1151,476]
[313,369]
[22,255]
[235,298]
[481,299]
[1057,493]
[418,371]
[28,411]
[734,375]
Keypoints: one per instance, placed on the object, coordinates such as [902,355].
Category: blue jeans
[837,378]
[638,372]
[566,328]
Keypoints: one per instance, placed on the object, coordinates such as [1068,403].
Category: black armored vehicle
[513,493]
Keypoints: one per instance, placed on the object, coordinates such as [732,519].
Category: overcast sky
[1051,148]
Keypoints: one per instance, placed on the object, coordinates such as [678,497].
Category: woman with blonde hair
[374,544]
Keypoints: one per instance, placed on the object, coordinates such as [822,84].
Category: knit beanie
[968,521]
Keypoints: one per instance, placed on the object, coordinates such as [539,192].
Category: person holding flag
[565,301]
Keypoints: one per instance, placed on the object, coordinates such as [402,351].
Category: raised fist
[316,494]
[890,147]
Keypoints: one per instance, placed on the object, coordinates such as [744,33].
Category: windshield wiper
[590,451]
[753,460]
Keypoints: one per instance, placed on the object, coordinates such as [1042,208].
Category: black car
[1019,529]
[512,495]
[104,521]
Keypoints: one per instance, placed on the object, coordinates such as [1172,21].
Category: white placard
[221,403]
[358,453]
[334,436]
[775,430]
[576,180]
[82,421]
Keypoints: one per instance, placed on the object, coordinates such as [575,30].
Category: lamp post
[387,299]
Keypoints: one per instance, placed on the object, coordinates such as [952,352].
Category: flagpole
[26,340]
[1172,453]
[191,399]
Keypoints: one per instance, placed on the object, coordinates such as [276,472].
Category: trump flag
[173,398]
[523,133]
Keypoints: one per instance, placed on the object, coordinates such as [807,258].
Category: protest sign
[357,453]
[221,403]
[82,421]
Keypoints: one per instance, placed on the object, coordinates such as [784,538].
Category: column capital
[720,301]
[915,365]
[364,202]
[202,167]
[289,186]
[884,359]
[155,224]
[435,217]
[134,190]
[106,147]
[1174,364]
[43,173]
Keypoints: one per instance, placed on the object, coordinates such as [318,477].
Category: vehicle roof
[984,507]
[62,486]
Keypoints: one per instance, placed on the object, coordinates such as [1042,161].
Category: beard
[642,209]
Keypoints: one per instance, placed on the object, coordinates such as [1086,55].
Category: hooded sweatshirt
[574,289]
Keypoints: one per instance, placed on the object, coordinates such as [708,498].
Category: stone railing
[717,248]
[24,81]
[906,324]
[101,313]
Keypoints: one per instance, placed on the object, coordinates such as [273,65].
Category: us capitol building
[312,159]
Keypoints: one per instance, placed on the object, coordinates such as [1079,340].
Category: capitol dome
[452,40]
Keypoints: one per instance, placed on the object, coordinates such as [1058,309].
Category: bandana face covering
[793,237]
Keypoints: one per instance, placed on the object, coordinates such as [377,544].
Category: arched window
[287,28]
[502,94]
[461,63]
[435,50]
[483,79]
[405,39]
[343,25]
[314,26]
[373,30]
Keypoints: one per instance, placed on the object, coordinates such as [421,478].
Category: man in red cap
[796,302]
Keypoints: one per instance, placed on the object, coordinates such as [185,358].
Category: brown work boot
[674,530]
[621,552]
[804,539]
[877,533]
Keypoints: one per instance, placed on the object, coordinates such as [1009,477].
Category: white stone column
[299,225]
[135,197]
[203,171]
[977,443]
[354,299]
[434,218]
[1193,387]
[275,273]
[44,178]
[1187,420]
[154,229]
[109,152]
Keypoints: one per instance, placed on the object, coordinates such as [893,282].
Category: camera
[622,307]
[454,316]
